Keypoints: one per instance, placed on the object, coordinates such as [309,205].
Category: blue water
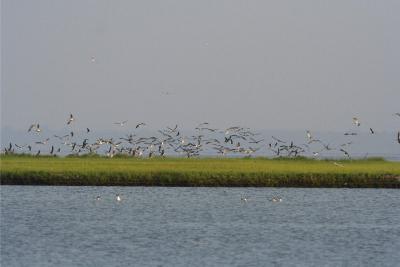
[67,226]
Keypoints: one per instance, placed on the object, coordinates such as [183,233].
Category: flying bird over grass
[345,152]
[233,141]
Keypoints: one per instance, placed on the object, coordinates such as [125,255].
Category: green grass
[301,172]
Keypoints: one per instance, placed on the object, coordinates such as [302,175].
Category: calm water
[66,226]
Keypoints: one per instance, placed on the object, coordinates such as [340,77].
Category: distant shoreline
[198,172]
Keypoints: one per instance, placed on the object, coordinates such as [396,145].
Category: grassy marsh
[124,171]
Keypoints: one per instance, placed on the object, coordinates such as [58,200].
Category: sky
[289,65]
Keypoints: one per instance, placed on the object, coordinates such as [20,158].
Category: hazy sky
[262,64]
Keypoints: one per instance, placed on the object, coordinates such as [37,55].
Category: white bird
[309,136]
[276,199]
[356,121]
[118,198]
[338,164]
[35,126]
[70,119]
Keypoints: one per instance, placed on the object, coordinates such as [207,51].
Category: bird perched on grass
[338,164]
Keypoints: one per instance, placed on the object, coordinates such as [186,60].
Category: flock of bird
[118,198]
[235,140]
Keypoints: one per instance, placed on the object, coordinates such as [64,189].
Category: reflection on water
[67,226]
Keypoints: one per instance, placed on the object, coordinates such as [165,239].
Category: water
[66,226]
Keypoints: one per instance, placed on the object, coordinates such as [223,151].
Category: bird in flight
[70,119]
[140,124]
[309,136]
[371,131]
[35,126]
[356,121]
[44,142]
[345,152]
[122,123]
[172,129]
[254,141]
[278,140]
